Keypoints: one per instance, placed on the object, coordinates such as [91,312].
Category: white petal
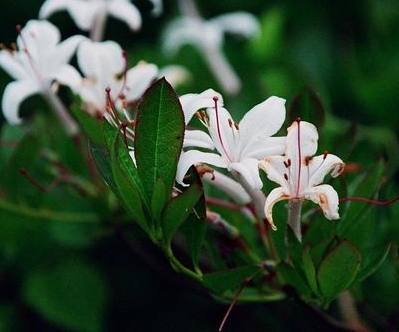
[51,6]
[125,11]
[181,31]
[69,76]
[193,102]
[266,147]
[248,168]
[14,94]
[82,12]
[100,59]
[138,79]
[10,64]
[301,140]
[240,23]
[65,50]
[276,195]
[275,169]
[223,133]
[327,198]
[231,187]
[197,138]
[175,74]
[263,120]
[192,157]
[38,36]
[320,166]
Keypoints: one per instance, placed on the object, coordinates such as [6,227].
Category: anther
[236,126]
[286,176]
[307,160]
[325,153]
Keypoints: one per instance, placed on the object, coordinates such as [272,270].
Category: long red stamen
[215,99]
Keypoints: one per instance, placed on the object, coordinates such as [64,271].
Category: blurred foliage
[72,260]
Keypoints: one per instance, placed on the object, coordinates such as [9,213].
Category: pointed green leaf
[158,199]
[308,106]
[372,260]
[102,160]
[178,209]
[338,270]
[91,125]
[290,276]
[229,280]
[309,269]
[128,184]
[195,226]
[158,135]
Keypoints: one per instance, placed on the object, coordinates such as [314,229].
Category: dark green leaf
[229,280]
[195,226]
[91,126]
[309,269]
[290,276]
[129,187]
[178,209]
[338,270]
[158,199]
[70,294]
[158,136]
[308,106]
[102,160]
[372,260]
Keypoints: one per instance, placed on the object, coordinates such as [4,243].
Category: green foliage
[70,294]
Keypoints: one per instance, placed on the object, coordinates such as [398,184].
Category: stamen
[215,99]
[35,69]
[121,95]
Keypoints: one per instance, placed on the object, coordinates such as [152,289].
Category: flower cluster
[244,147]
[40,62]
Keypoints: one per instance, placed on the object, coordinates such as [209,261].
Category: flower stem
[294,216]
[97,30]
[70,125]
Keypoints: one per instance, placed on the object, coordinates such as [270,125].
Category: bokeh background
[57,275]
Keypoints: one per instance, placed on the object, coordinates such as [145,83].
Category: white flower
[85,12]
[104,65]
[39,60]
[239,146]
[198,32]
[299,173]
[208,37]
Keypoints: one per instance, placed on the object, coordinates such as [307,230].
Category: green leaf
[102,160]
[91,125]
[158,199]
[195,226]
[158,135]
[128,184]
[309,269]
[290,276]
[178,209]
[372,260]
[308,106]
[229,280]
[338,269]
[70,294]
